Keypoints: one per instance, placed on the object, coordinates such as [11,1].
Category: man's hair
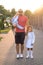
[20,11]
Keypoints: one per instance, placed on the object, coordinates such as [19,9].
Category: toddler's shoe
[31,56]
[27,56]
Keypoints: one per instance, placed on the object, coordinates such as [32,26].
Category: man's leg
[22,44]
[17,38]
[22,48]
[17,50]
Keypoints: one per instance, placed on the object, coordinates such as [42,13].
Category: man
[20,33]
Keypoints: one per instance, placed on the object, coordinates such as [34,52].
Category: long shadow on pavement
[11,59]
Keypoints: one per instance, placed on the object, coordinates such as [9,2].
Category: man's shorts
[19,37]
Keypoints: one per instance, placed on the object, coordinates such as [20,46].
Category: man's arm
[27,24]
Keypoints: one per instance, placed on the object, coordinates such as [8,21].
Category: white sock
[31,52]
[28,52]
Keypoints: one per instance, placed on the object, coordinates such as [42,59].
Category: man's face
[20,12]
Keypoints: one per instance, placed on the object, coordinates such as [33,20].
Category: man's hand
[14,25]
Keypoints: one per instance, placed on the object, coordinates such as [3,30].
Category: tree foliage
[28,13]
[5,12]
[13,12]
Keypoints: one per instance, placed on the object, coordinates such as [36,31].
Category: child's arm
[14,19]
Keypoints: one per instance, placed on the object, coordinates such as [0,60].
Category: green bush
[0,38]
[5,30]
[1,25]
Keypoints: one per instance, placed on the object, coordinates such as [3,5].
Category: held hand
[31,44]
[25,33]
[14,25]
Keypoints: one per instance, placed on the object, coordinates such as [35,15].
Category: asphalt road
[8,51]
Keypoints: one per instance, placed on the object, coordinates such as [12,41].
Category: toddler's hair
[29,27]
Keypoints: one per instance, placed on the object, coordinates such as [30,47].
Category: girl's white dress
[30,40]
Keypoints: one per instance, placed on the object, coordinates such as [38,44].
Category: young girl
[30,42]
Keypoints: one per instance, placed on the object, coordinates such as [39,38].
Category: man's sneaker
[21,55]
[27,56]
[17,56]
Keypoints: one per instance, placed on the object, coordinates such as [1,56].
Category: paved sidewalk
[8,52]
[5,45]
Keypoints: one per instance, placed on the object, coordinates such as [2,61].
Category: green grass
[1,38]
[5,30]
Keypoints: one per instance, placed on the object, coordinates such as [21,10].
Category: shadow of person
[11,57]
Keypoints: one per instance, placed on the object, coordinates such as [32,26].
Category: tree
[5,13]
[28,13]
[13,12]
[1,9]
